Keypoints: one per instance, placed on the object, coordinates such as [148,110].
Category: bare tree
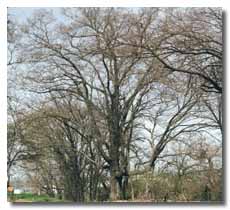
[190,42]
[109,90]
[123,75]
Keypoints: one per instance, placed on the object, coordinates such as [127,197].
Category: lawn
[29,197]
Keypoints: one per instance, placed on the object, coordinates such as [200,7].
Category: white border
[3,104]
[94,3]
[115,3]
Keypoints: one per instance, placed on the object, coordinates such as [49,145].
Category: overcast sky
[22,13]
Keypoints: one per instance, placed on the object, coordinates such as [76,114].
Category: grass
[29,197]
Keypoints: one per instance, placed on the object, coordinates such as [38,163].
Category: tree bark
[113,185]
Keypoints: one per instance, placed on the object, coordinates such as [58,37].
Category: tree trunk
[114,164]
[113,188]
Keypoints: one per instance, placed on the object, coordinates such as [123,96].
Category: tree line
[117,104]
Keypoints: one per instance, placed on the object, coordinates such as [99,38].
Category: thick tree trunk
[118,169]
[118,185]
[114,171]
[118,172]
[73,189]
[114,164]
[113,188]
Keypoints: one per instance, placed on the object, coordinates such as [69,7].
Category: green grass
[34,198]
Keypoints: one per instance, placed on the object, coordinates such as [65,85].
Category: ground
[29,197]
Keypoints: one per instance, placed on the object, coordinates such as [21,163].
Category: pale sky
[22,13]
